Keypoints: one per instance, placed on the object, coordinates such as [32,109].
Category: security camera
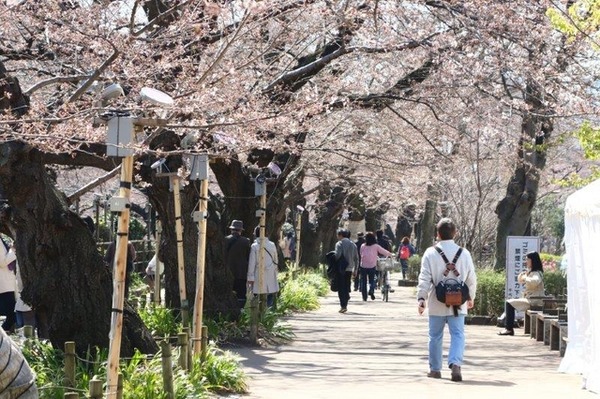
[158,164]
[112,91]
[300,208]
[156,96]
[274,169]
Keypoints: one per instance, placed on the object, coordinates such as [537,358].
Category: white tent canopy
[582,241]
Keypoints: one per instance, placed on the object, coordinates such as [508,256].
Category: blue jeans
[364,275]
[456,326]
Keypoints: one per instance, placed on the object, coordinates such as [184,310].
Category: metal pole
[157,267]
[180,260]
[118,299]
[201,259]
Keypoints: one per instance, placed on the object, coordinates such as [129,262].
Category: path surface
[379,350]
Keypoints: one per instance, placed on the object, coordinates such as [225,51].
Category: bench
[558,331]
[530,322]
[542,330]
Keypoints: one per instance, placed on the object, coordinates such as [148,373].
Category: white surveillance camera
[300,208]
[158,164]
[274,169]
[156,96]
[112,91]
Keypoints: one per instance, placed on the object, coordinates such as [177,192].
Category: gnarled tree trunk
[64,276]
[514,210]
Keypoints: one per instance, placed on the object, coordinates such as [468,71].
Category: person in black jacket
[358,243]
[237,253]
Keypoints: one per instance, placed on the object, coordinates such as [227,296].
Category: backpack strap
[450,266]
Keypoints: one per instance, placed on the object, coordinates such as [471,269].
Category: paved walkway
[379,350]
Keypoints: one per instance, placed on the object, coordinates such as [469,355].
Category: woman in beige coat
[533,279]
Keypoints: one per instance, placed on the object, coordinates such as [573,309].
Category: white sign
[516,249]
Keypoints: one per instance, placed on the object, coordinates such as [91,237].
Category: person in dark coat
[358,243]
[109,258]
[237,253]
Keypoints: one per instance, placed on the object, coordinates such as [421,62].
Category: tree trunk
[514,210]
[64,276]
[320,237]
[427,227]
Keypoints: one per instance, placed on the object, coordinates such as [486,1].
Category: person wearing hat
[237,253]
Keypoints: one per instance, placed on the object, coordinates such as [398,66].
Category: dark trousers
[364,275]
[510,316]
[240,287]
[344,281]
[7,308]
[404,263]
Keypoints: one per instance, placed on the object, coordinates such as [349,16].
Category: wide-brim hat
[237,225]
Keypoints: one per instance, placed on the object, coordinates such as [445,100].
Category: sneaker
[343,310]
[434,374]
[506,332]
[456,374]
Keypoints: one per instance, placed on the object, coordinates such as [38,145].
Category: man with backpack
[436,269]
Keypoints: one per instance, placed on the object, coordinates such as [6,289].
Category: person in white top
[8,285]
[433,269]
[269,284]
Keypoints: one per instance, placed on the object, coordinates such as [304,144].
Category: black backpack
[451,291]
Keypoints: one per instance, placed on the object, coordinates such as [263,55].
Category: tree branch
[93,77]
[56,79]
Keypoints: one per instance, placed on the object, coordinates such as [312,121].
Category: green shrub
[414,267]
[555,283]
[298,295]
[490,293]
[160,320]
[220,372]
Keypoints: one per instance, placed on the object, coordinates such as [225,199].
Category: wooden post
[71,395]
[261,251]
[120,263]
[257,305]
[95,388]
[157,268]
[28,331]
[188,332]
[182,342]
[167,369]
[180,259]
[204,350]
[69,364]
[298,234]
[201,260]
[120,386]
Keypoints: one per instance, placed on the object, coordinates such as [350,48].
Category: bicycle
[384,265]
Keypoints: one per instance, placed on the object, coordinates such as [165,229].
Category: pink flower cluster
[549,265]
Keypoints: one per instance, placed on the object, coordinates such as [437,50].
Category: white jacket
[8,281]
[432,272]
[269,279]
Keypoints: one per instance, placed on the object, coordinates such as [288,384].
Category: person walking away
[359,242]
[237,253]
[109,258]
[346,257]
[405,251]
[269,284]
[533,279]
[151,272]
[8,285]
[433,270]
[369,253]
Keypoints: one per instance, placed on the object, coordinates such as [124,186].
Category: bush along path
[380,348]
